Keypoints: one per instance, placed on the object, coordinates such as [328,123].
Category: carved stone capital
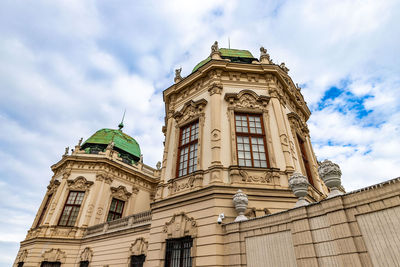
[299,185]
[79,183]
[215,88]
[120,192]
[331,174]
[240,202]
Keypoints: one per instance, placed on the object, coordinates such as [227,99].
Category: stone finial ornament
[240,201]
[178,76]
[215,53]
[299,185]
[264,56]
[214,47]
[66,151]
[283,67]
[331,174]
[158,165]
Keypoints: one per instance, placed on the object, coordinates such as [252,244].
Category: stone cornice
[105,166]
[252,71]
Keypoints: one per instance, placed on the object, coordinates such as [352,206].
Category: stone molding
[247,100]
[54,255]
[139,247]
[180,225]
[120,192]
[190,111]
[79,183]
[87,254]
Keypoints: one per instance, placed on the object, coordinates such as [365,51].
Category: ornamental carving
[192,109]
[120,192]
[264,178]
[247,99]
[139,247]
[180,225]
[52,187]
[297,123]
[87,254]
[215,88]
[54,255]
[22,256]
[79,183]
[184,184]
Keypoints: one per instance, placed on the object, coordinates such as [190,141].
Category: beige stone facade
[172,202]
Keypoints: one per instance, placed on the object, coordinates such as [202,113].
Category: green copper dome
[122,142]
[235,55]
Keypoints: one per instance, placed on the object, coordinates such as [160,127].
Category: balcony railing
[120,224]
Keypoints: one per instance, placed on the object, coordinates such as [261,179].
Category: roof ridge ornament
[215,53]
[264,56]
[178,76]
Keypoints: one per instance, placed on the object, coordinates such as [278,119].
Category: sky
[69,68]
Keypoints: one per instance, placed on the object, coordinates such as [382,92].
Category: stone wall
[356,229]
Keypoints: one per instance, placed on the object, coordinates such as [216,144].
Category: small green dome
[235,55]
[121,141]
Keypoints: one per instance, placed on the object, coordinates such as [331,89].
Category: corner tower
[101,183]
[236,122]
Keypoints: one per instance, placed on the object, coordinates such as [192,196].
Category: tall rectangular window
[178,252]
[250,140]
[116,209]
[187,152]
[305,160]
[137,261]
[71,208]
[43,213]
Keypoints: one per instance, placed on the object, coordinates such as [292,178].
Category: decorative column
[240,201]
[215,91]
[283,134]
[299,185]
[331,175]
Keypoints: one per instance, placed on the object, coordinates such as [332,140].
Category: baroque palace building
[239,185]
